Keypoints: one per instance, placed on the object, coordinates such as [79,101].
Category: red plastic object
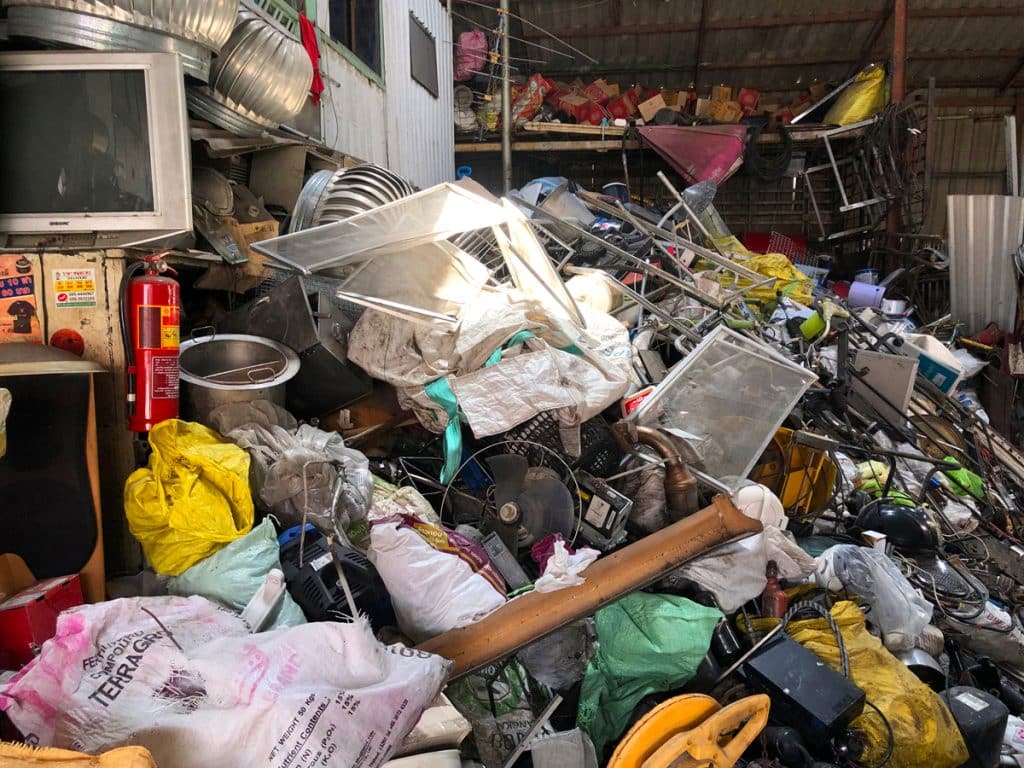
[29,618]
[69,340]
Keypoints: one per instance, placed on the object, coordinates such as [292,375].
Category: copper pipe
[537,614]
[680,485]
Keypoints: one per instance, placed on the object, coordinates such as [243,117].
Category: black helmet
[908,528]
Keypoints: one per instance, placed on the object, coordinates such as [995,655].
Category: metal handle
[257,303]
[196,336]
[249,374]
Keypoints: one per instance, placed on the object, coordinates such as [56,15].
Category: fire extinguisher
[150,316]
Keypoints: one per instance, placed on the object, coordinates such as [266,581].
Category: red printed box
[29,618]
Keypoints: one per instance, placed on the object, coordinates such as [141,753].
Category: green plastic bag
[645,644]
[192,499]
[234,574]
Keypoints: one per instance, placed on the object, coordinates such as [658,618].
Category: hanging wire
[540,29]
[492,30]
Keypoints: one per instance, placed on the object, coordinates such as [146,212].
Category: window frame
[351,56]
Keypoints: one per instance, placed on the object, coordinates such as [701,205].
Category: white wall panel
[420,136]
[353,109]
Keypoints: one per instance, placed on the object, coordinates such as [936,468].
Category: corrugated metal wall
[420,133]
[984,234]
[969,158]
[353,110]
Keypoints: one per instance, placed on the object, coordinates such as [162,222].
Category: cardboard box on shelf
[29,618]
[726,111]
[649,108]
[670,96]
[721,93]
[702,108]
[817,91]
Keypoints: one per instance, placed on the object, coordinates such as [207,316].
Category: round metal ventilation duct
[259,79]
[191,28]
[330,197]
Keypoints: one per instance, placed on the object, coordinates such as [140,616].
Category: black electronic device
[314,585]
[806,693]
[981,718]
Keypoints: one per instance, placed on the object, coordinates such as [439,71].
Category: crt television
[94,150]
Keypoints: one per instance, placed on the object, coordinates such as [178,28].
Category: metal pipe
[680,485]
[506,102]
[899,50]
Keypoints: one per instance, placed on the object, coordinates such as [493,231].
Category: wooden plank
[589,130]
[548,146]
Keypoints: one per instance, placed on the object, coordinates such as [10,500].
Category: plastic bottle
[774,601]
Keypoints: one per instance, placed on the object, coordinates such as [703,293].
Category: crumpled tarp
[698,153]
[646,644]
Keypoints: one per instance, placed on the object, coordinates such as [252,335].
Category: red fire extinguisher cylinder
[153,309]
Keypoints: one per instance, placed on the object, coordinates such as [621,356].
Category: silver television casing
[171,221]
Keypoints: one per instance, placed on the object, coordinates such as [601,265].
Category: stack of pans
[349,191]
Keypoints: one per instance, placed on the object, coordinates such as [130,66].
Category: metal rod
[689,212]
[531,734]
[506,103]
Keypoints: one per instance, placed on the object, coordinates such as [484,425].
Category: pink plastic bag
[470,54]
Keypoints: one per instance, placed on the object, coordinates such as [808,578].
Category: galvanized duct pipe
[259,80]
[191,28]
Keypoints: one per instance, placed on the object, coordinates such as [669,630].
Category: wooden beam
[1018,68]
[873,39]
[615,13]
[699,48]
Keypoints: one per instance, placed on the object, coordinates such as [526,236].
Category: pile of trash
[560,480]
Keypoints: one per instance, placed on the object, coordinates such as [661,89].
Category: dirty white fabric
[318,694]
[735,573]
[529,379]
[563,569]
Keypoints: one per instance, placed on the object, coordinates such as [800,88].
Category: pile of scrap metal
[656,499]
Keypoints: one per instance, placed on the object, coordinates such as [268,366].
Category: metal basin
[232,368]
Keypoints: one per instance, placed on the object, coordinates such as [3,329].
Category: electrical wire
[771,168]
[888,728]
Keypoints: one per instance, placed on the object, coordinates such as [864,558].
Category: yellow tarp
[192,499]
[924,730]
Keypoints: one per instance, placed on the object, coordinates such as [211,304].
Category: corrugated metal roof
[655,41]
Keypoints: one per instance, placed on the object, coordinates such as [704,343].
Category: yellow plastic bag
[864,97]
[192,499]
[793,283]
[924,731]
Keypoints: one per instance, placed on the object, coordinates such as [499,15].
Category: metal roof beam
[766,22]
[699,50]
[1018,68]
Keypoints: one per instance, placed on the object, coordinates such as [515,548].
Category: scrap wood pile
[606,488]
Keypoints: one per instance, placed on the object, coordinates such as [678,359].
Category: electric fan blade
[509,471]
[547,507]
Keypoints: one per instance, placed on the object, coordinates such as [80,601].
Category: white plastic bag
[564,570]
[438,579]
[318,694]
[897,608]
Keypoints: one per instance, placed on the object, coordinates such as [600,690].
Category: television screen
[75,142]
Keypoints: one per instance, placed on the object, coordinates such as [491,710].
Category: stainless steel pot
[232,368]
